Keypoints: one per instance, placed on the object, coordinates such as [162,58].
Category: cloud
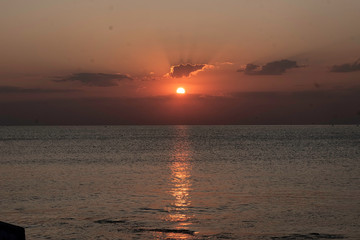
[95,79]
[185,70]
[12,89]
[271,68]
[347,67]
[335,106]
[249,68]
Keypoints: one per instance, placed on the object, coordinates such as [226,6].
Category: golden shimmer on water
[181,184]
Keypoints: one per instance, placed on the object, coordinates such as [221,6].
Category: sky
[120,62]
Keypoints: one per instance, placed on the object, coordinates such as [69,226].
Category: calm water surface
[181,182]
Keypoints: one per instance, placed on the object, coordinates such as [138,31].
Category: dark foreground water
[181,182]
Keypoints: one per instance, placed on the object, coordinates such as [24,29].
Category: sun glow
[180,90]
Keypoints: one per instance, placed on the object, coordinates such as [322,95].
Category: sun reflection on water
[180,183]
[180,192]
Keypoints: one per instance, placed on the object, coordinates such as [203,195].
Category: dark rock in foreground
[11,232]
[311,236]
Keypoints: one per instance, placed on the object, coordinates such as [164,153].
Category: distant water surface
[181,182]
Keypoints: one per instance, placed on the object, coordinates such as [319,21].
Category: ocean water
[181,182]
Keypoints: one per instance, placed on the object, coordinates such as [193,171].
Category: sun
[180,90]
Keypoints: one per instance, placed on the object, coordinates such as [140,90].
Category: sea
[181,182]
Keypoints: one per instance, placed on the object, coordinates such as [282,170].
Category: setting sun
[180,90]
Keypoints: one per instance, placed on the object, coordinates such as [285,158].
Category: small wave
[165,230]
[311,236]
[109,221]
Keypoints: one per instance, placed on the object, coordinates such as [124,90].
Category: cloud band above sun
[187,70]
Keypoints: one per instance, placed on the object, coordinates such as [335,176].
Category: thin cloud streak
[346,67]
[271,68]
[95,79]
[12,89]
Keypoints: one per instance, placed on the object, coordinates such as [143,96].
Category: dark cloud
[249,68]
[271,68]
[95,79]
[347,67]
[184,70]
[11,89]
[336,106]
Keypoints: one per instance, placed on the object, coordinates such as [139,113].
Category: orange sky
[53,51]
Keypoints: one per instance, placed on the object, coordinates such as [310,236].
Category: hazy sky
[267,61]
